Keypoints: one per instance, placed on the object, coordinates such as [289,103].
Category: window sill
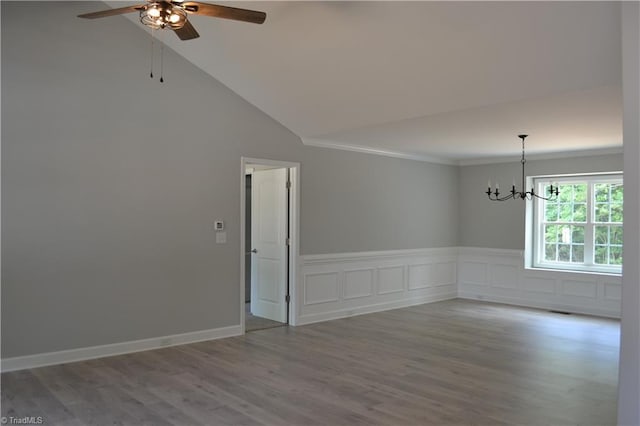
[573,271]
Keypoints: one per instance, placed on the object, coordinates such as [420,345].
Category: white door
[269,244]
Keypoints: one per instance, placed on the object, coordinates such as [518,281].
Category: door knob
[254,251]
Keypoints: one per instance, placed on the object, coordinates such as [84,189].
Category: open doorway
[269,242]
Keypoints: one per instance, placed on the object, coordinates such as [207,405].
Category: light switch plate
[218,225]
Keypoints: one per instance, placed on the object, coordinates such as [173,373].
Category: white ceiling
[450,80]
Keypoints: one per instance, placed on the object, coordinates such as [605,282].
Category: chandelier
[523,195]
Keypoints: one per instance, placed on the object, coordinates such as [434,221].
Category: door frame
[294,221]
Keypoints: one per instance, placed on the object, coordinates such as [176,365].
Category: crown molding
[543,156]
[377,151]
[461,162]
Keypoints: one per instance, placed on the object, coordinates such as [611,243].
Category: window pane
[564,252]
[580,212]
[580,193]
[577,234]
[601,192]
[551,233]
[551,212]
[602,212]
[616,213]
[550,252]
[577,253]
[615,255]
[565,212]
[601,235]
[616,234]
[566,193]
[600,255]
[545,190]
[617,193]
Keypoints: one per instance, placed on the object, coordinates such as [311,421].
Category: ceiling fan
[172,15]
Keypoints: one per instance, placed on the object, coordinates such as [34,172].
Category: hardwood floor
[452,362]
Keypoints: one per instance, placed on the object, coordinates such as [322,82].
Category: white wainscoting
[499,276]
[346,284]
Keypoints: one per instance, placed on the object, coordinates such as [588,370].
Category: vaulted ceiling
[447,80]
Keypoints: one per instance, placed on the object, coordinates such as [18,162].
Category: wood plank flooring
[452,362]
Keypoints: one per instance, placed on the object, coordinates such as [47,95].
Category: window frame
[537,244]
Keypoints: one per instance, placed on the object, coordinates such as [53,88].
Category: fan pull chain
[161,59]
[151,73]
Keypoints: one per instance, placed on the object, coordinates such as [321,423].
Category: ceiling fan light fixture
[154,12]
[161,15]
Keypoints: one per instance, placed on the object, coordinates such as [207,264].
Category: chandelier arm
[494,197]
[549,198]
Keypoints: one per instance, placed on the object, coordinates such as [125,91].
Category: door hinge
[288,242]
[288,184]
[287,298]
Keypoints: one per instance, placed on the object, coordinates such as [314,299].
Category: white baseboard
[346,313]
[92,352]
[527,303]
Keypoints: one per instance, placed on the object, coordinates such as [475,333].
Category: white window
[581,229]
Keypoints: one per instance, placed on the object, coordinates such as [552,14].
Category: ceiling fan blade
[225,12]
[187,32]
[112,12]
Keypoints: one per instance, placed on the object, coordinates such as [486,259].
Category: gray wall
[485,223]
[375,203]
[111,182]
